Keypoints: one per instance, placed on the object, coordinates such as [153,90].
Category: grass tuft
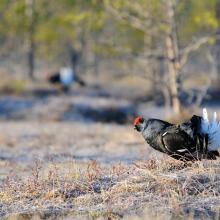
[168,187]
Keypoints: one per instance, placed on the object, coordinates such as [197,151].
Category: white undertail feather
[212,128]
[66,76]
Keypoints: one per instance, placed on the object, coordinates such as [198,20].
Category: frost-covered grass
[156,187]
[91,174]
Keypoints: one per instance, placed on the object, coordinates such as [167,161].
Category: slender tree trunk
[217,43]
[164,89]
[30,38]
[31,58]
[172,54]
[172,76]
[74,58]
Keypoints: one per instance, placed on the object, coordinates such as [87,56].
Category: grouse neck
[154,127]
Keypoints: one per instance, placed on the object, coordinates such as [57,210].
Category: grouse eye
[141,120]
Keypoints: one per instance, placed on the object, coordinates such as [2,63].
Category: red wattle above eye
[137,120]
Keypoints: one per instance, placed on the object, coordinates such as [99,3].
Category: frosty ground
[52,167]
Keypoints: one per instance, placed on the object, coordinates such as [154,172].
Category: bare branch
[194,46]
[125,16]
[141,24]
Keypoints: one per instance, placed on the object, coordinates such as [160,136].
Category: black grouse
[65,78]
[195,139]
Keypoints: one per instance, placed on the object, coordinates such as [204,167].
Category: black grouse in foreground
[195,139]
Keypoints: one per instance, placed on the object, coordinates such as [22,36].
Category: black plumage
[183,142]
[54,78]
[66,80]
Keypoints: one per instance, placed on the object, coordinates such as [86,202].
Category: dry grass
[165,187]
[77,177]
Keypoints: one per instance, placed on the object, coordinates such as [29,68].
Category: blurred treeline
[159,40]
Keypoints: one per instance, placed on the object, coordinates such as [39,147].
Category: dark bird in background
[65,78]
[195,139]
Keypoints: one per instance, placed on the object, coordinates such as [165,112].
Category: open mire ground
[73,170]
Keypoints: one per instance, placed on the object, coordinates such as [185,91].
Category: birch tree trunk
[217,43]
[30,38]
[172,54]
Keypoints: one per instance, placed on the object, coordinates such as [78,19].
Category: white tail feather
[212,129]
[205,115]
[214,117]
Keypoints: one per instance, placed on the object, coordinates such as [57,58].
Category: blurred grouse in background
[195,139]
[65,78]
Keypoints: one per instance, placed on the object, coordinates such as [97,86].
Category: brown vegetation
[165,187]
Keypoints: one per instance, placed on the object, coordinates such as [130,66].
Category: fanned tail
[212,128]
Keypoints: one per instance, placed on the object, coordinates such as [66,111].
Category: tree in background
[154,38]
[31,17]
[43,29]
[173,30]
